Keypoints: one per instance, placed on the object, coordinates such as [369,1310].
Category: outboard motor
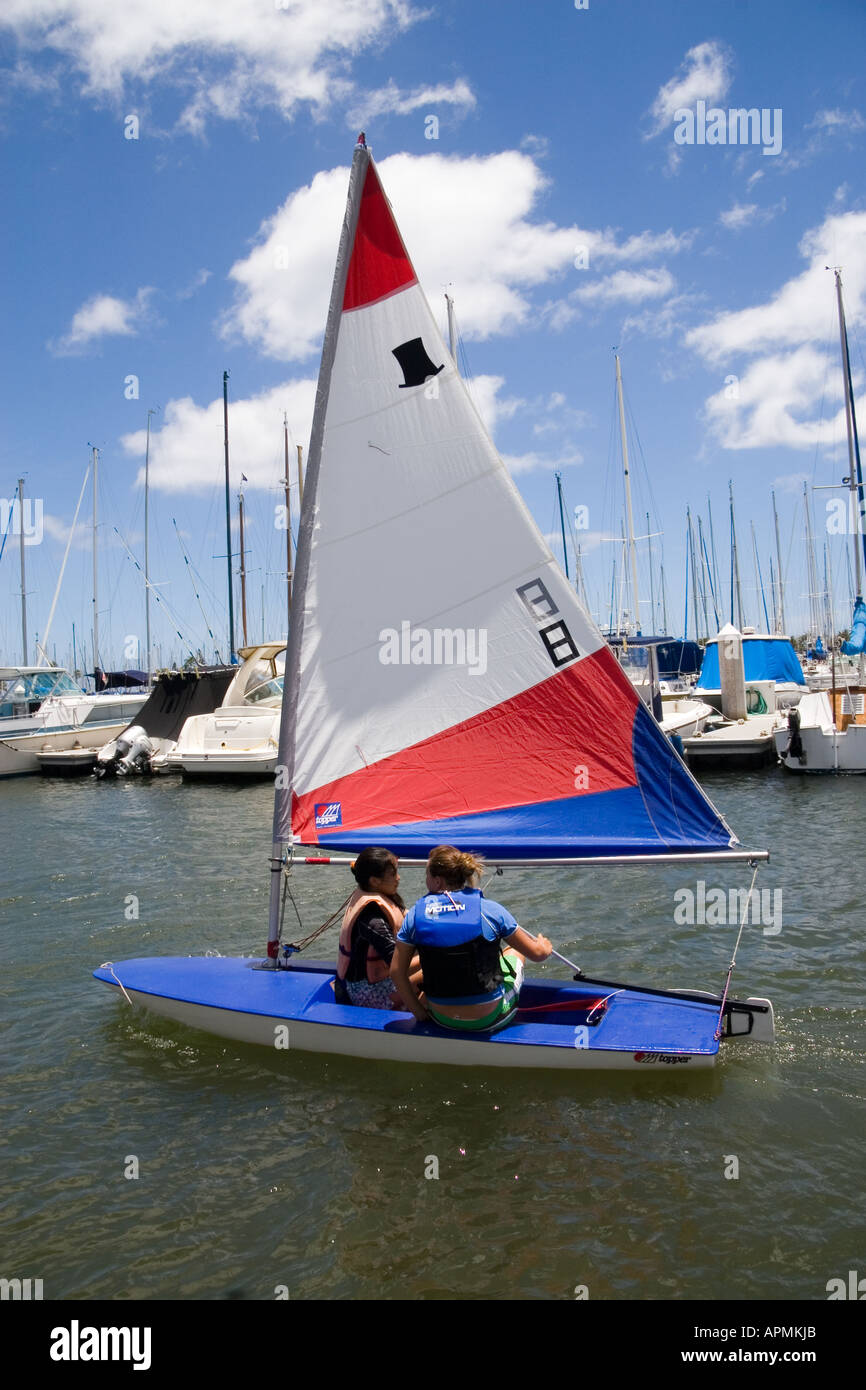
[130,752]
[134,751]
[795,743]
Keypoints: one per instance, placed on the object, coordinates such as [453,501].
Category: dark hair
[374,862]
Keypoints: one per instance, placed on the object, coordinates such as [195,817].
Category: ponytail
[458,868]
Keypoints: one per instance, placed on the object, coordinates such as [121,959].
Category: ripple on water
[260,1169]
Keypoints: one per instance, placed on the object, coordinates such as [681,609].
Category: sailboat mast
[561,522]
[243,566]
[649,541]
[716,587]
[759,578]
[228,519]
[282,824]
[779,567]
[23,579]
[287,484]
[146,548]
[811,572]
[855,475]
[452,335]
[625,469]
[694,573]
[95,567]
[735,564]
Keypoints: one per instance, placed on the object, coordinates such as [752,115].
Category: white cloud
[102,316]
[467,224]
[186,452]
[465,221]
[630,286]
[777,400]
[200,278]
[234,56]
[745,214]
[837,120]
[772,403]
[705,73]
[535,463]
[391,100]
[484,391]
[799,311]
[740,215]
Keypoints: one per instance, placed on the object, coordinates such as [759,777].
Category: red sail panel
[568,736]
[379,265]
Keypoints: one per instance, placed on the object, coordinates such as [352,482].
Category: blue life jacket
[458,961]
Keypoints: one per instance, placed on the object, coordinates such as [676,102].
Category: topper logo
[328,813]
[657,1057]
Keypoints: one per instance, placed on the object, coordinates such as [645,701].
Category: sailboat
[444,683]
[827,731]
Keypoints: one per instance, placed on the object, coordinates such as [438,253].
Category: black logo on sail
[415,363]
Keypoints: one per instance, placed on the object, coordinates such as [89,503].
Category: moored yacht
[239,739]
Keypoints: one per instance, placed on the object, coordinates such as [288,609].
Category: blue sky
[556,203]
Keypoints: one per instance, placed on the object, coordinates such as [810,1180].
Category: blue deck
[629,1022]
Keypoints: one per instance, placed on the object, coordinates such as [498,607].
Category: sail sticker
[415,363]
[537,600]
[328,814]
[558,641]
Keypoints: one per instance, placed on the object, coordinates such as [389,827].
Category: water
[259,1170]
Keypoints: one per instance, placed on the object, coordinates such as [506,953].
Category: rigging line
[194,589]
[718,1032]
[172,615]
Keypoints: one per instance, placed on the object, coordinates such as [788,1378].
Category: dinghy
[444,684]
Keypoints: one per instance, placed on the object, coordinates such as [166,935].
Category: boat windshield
[267,693]
[22,695]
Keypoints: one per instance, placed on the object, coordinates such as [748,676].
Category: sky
[175,180]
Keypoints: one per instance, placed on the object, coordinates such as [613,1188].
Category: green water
[260,1169]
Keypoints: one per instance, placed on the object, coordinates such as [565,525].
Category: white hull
[825,749]
[260,1029]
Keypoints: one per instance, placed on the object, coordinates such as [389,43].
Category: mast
[282,824]
[716,586]
[243,563]
[855,474]
[779,566]
[452,335]
[146,551]
[287,484]
[759,578]
[694,572]
[23,581]
[664,596]
[228,519]
[631,544]
[705,574]
[561,519]
[652,585]
[95,569]
[735,565]
[812,574]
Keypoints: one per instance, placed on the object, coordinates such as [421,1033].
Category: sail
[857,641]
[444,682]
